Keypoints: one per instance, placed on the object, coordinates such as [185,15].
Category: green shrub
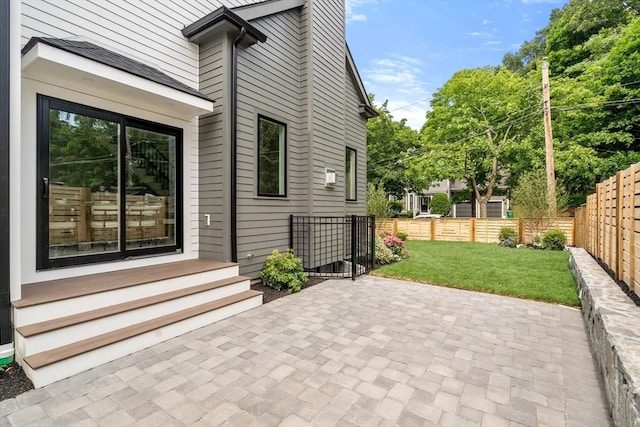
[554,240]
[402,236]
[406,214]
[384,255]
[283,271]
[377,201]
[395,207]
[508,237]
[440,204]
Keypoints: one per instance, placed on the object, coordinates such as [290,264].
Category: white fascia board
[262,9]
[52,65]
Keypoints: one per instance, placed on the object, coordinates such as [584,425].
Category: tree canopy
[478,119]
[389,144]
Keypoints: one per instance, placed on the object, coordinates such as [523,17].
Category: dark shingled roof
[112,59]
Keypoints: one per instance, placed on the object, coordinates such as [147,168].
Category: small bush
[395,207]
[397,247]
[508,237]
[440,204]
[383,253]
[554,240]
[405,214]
[283,271]
[402,236]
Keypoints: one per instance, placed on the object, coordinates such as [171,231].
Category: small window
[272,164]
[350,190]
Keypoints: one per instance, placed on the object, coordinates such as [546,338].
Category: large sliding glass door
[110,185]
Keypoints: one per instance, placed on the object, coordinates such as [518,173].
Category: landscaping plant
[508,237]
[383,253]
[283,271]
[397,247]
[554,240]
[402,236]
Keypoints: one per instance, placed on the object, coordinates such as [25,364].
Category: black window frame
[43,262]
[354,171]
[284,184]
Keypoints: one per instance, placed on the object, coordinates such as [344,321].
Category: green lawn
[524,273]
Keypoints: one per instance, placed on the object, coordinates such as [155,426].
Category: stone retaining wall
[613,322]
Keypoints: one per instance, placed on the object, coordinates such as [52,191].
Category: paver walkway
[366,353]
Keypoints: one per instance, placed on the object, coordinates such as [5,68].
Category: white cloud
[486,22]
[483,35]
[353,12]
[399,79]
[542,1]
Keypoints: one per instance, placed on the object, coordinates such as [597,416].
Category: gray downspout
[234,143]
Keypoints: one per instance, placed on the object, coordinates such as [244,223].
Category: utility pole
[548,142]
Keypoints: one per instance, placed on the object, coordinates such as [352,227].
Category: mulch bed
[13,381]
[270,294]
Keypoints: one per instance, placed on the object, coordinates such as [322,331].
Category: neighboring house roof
[222,15]
[112,59]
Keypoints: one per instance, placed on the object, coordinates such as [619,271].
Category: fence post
[520,230]
[619,224]
[472,229]
[372,239]
[291,232]
[632,227]
[433,229]
[354,247]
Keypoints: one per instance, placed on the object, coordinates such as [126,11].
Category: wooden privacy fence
[607,226]
[484,230]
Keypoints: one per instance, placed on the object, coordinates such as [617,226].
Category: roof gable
[266,8]
[366,109]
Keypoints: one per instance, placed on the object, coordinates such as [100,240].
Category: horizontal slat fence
[607,225]
[470,229]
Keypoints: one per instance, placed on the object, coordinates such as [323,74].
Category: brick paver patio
[374,352]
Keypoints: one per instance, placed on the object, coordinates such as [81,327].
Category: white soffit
[55,66]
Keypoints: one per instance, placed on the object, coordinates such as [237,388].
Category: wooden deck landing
[60,289]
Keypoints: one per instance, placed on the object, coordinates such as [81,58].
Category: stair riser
[58,338]
[56,309]
[65,368]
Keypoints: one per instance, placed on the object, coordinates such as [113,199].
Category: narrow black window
[350,188]
[110,185]
[272,155]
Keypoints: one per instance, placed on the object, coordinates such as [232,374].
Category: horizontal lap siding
[212,151]
[269,84]
[327,114]
[356,138]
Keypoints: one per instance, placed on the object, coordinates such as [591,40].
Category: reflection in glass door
[82,184]
[151,188]
[110,185]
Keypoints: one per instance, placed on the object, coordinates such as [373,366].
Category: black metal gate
[333,246]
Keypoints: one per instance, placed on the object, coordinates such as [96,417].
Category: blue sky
[406,49]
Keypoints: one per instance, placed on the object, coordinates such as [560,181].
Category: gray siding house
[155,151]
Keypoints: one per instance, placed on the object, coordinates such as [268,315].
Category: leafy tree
[389,143]
[478,117]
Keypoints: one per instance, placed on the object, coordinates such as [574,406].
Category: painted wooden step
[45,301]
[52,365]
[43,336]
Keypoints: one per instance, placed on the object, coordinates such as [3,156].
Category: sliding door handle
[45,188]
